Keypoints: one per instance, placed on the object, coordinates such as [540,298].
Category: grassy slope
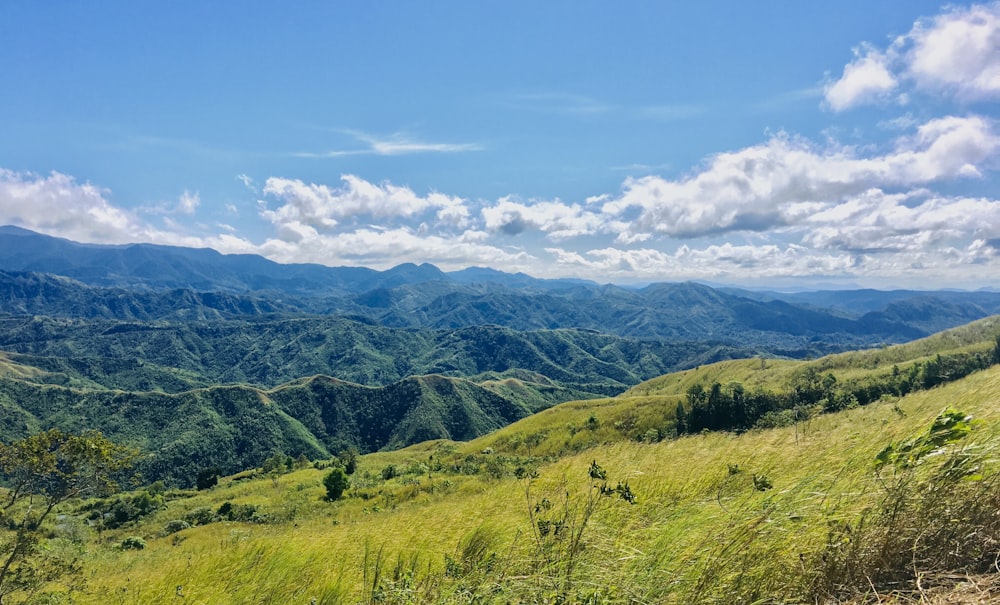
[697,533]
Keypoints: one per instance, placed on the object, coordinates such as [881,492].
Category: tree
[336,482]
[681,419]
[42,471]
[349,458]
[207,477]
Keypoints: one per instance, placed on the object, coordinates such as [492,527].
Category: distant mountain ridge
[166,267]
[149,282]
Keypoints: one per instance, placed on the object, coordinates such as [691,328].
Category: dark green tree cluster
[114,512]
[731,407]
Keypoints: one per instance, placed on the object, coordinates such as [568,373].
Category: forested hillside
[173,356]
[588,501]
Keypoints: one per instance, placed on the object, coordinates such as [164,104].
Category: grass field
[792,514]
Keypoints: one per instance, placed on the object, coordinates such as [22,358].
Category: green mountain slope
[237,427]
[174,356]
[797,514]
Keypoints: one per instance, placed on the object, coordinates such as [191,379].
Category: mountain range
[179,350]
[149,282]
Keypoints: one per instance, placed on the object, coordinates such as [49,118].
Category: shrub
[172,527]
[336,482]
[200,516]
[208,477]
[937,515]
[762,482]
[133,543]
[237,512]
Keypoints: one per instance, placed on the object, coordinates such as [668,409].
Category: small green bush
[208,477]
[172,527]
[200,516]
[133,543]
[336,482]
[237,512]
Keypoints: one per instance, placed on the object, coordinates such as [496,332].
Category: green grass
[699,531]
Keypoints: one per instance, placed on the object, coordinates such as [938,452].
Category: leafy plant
[559,532]
[336,482]
[937,515]
[42,471]
[949,427]
[133,543]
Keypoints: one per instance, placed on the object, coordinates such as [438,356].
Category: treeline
[731,407]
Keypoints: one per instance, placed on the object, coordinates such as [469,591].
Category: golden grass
[698,533]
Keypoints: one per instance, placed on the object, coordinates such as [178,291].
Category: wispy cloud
[394,144]
[787,98]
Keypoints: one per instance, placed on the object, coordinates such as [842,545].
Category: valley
[507,439]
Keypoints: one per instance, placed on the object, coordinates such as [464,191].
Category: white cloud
[321,207]
[785,208]
[399,145]
[188,203]
[775,184]
[865,79]
[725,262]
[555,218]
[958,52]
[913,222]
[58,204]
[248,182]
[396,144]
[384,248]
[954,54]
[788,263]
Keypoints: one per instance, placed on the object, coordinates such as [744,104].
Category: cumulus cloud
[958,52]
[713,262]
[57,203]
[555,218]
[911,222]
[864,79]
[785,208]
[321,207]
[955,54]
[771,263]
[775,184]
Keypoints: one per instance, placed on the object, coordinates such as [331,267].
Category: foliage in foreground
[41,472]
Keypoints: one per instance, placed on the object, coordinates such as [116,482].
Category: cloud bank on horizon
[915,207]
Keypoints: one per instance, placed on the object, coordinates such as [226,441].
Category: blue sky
[761,144]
